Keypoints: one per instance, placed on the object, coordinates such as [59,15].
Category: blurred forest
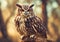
[48,10]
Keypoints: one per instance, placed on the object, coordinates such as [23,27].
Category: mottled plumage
[27,23]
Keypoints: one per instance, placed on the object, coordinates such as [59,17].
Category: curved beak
[26,12]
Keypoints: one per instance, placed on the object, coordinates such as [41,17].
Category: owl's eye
[28,10]
[22,10]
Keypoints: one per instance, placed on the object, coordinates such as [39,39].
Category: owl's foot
[28,38]
[32,36]
[25,37]
[22,37]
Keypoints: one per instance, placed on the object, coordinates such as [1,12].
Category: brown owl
[29,25]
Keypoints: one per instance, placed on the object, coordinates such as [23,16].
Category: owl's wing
[38,26]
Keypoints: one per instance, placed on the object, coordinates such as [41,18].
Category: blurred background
[48,10]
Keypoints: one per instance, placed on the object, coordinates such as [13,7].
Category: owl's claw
[28,38]
[32,36]
[22,37]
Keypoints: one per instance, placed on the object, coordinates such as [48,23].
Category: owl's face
[25,10]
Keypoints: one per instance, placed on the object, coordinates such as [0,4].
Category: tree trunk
[44,13]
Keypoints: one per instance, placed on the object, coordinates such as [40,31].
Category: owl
[28,24]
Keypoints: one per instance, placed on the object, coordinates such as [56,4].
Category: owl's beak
[26,12]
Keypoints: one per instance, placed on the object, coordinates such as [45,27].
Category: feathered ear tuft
[19,5]
[31,5]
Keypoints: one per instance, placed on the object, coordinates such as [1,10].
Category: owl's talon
[22,36]
[32,36]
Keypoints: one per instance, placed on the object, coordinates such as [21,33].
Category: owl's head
[25,10]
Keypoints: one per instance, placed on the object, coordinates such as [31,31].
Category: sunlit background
[8,10]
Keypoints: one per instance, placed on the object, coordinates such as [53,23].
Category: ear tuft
[19,5]
[31,5]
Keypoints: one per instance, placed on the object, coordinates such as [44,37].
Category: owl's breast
[26,26]
[31,25]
